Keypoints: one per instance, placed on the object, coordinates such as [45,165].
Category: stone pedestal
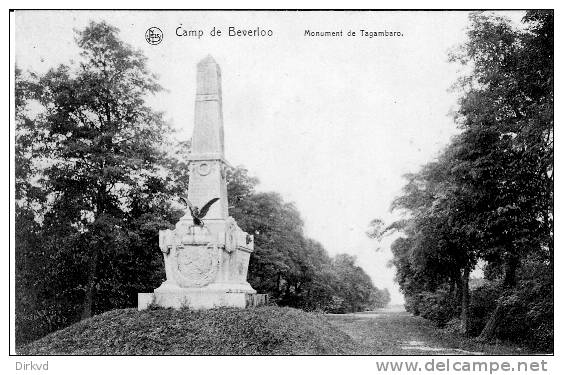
[206,267]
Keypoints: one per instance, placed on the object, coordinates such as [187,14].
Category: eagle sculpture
[197,214]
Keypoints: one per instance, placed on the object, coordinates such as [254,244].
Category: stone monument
[206,265]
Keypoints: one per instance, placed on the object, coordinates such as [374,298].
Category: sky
[330,123]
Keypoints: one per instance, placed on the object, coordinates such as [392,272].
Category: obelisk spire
[207,163]
[208,138]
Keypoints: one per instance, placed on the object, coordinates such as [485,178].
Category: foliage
[294,270]
[90,188]
[528,309]
[438,306]
[483,303]
[489,194]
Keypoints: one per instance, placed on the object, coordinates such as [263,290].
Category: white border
[245,365]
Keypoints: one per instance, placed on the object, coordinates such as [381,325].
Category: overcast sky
[331,123]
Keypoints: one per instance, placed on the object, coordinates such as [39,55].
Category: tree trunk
[488,332]
[89,290]
[93,260]
[454,287]
[279,289]
[465,299]
[458,288]
[510,267]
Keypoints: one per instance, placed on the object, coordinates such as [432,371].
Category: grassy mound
[263,330]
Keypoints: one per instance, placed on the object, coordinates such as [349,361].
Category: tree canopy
[488,197]
[91,194]
[293,269]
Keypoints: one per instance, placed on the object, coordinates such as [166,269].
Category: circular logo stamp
[154,36]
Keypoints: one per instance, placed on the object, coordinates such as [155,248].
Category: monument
[206,260]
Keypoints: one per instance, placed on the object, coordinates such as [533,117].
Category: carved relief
[231,235]
[242,266]
[195,265]
[203,169]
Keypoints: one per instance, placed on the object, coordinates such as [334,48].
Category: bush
[454,326]
[482,303]
[34,321]
[439,306]
[336,305]
[412,303]
[528,309]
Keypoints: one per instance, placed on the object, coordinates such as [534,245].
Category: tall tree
[506,112]
[100,145]
[489,195]
[293,269]
[441,244]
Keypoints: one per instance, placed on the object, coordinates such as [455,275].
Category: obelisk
[206,265]
[207,158]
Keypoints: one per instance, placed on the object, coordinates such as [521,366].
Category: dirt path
[394,331]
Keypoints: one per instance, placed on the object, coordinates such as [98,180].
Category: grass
[222,331]
[267,330]
[391,332]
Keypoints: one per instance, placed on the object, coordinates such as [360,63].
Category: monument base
[241,296]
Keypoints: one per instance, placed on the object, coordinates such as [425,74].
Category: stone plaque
[195,265]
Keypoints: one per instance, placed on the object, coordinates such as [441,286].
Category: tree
[441,244]
[293,269]
[489,195]
[29,197]
[506,111]
[354,286]
[277,228]
[100,148]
